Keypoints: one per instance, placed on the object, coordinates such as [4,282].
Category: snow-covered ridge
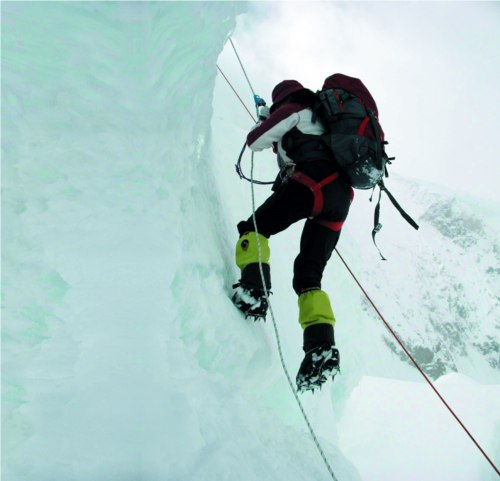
[450,314]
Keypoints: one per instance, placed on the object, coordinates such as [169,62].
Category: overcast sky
[433,68]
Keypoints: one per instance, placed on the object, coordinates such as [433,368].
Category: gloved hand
[263,111]
[258,100]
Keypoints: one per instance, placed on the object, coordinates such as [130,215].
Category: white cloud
[432,67]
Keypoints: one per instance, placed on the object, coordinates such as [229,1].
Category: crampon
[251,302]
[318,365]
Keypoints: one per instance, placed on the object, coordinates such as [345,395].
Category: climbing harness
[372,304]
[315,188]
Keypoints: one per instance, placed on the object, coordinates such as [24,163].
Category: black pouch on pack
[357,156]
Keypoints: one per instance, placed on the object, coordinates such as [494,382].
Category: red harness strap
[335,226]
[315,188]
[318,197]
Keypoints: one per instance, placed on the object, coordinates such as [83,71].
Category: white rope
[242,68]
[266,293]
[278,341]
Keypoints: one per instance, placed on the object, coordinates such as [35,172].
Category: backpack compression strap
[378,138]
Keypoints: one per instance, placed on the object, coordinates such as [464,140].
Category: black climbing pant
[301,198]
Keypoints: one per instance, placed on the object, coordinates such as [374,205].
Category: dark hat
[284,89]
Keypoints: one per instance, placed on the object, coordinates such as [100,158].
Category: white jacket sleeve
[274,128]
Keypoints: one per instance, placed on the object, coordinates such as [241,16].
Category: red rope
[242,103]
[417,366]
[394,334]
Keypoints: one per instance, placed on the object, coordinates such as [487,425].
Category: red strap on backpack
[362,127]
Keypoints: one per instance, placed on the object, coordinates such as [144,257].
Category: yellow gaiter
[315,308]
[247,251]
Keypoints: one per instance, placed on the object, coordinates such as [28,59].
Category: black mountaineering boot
[321,360]
[249,296]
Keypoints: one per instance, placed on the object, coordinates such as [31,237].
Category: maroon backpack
[354,136]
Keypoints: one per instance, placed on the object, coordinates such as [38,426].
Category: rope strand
[278,341]
[417,365]
[266,292]
[242,67]
[233,89]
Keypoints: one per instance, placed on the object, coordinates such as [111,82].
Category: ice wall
[123,357]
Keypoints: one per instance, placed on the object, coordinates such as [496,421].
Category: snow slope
[122,356]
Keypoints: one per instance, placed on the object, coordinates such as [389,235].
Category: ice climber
[310,187]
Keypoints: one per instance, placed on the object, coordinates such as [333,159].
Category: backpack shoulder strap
[316,107]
